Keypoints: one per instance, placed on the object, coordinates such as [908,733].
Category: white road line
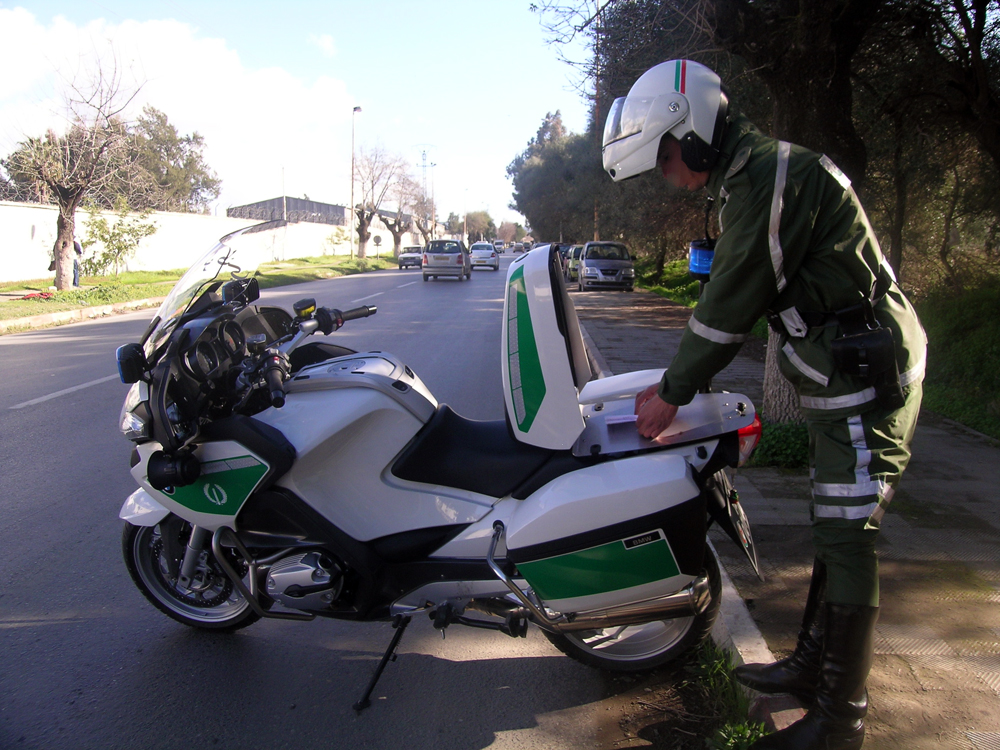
[356,301]
[63,392]
[409,284]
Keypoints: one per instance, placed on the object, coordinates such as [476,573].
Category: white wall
[28,232]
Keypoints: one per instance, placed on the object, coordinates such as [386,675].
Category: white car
[410,256]
[484,255]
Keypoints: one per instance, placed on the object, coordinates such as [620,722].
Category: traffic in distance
[585,267]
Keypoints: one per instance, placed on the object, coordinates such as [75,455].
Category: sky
[271,86]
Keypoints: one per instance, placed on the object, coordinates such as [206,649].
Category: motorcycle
[286,478]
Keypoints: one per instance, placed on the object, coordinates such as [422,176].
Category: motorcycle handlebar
[359,312]
[274,379]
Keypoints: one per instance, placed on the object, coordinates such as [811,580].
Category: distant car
[605,265]
[411,256]
[498,245]
[446,258]
[571,261]
[484,255]
[518,247]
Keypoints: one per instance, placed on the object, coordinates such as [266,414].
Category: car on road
[605,265]
[446,258]
[571,261]
[484,255]
[499,245]
[518,247]
[410,256]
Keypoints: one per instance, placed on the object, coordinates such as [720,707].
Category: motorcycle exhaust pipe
[688,602]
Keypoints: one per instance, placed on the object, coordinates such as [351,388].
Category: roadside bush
[963,358]
[782,444]
[674,283]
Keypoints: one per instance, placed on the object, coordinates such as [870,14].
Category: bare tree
[423,215]
[378,172]
[93,158]
[406,192]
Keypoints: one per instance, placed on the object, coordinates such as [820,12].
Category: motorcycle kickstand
[399,623]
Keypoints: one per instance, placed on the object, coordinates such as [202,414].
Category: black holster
[867,351]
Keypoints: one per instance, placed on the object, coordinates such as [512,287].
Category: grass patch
[674,283]
[134,285]
[721,697]
[963,359]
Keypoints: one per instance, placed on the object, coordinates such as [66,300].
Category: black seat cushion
[467,454]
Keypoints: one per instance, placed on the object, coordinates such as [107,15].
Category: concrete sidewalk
[935,682]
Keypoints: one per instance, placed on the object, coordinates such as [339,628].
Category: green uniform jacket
[794,237]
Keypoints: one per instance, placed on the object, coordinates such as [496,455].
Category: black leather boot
[799,672]
[836,720]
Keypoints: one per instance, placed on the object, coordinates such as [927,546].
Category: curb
[75,316]
[734,630]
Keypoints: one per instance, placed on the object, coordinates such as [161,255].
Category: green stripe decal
[677,76]
[598,570]
[223,486]
[527,385]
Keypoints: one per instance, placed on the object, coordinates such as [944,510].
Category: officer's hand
[654,414]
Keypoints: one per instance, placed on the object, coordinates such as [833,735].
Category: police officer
[795,245]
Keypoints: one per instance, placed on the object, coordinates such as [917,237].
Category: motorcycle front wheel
[153,555]
[638,648]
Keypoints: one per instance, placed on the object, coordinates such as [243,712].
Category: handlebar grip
[359,312]
[274,379]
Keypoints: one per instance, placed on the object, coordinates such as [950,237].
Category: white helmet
[679,97]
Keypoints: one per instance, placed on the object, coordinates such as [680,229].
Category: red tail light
[458,259]
[425,259]
[749,437]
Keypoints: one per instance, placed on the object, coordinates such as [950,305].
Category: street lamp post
[353,118]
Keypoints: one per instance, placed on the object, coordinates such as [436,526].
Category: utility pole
[351,225]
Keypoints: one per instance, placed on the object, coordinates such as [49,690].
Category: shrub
[782,444]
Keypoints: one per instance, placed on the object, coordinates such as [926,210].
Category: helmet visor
[627,116]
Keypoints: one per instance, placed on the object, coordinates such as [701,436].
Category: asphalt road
[87,662]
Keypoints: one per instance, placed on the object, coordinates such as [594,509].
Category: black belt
[850,318]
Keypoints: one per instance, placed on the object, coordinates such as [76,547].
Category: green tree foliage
[114,242]
[480,226]
[175,163]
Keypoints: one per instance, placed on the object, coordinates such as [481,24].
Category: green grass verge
[963,357]
[675,284]
[711,679]
[99,290]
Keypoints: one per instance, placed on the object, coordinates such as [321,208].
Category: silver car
[605,265]
[446,258]
[484,255]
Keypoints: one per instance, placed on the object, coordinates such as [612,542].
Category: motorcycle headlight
[135,422]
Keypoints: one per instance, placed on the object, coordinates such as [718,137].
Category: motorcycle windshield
[237,253]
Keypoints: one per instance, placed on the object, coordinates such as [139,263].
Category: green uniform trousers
[855,466]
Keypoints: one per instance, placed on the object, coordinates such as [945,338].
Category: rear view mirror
[132,365]
[242,290]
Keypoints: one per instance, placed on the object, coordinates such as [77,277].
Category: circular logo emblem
[216,494]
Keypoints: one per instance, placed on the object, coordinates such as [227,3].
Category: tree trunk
[63,250]
[781,403]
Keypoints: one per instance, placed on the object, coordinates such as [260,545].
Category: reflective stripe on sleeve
[719,337]
[777,203]
[810,372]
[849,512]
[794,323]
[827,163]
[839,402]
[914,374]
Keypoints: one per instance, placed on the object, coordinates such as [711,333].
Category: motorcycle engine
[306,581]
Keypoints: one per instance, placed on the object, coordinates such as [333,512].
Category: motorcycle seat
[478,456]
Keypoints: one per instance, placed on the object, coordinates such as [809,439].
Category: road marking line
[407,284]
[63,392]
[356,301]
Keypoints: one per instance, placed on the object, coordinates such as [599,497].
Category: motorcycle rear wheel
[216,605]
[639,648]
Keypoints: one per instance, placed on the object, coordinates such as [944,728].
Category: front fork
[195,555]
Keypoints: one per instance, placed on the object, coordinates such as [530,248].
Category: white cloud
[257,124]
[325,44]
